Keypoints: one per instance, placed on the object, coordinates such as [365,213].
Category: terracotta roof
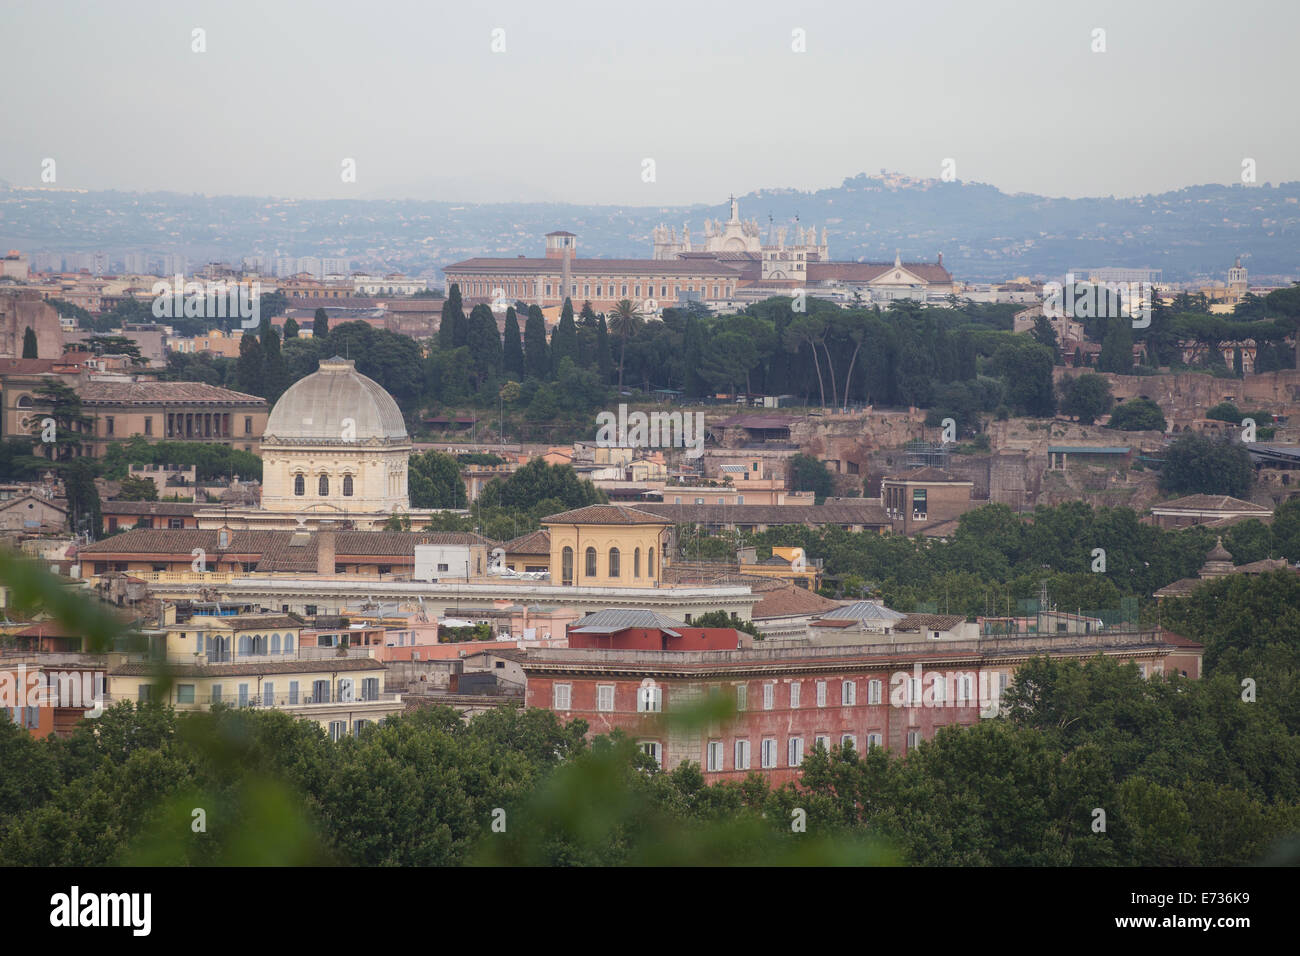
[534,542]
[605,514]
[1266,566]
[1169,637]
[48,629]
[929,622]
[116,393]
[1181,587]
[27,366]
[790,601]
[867,512]
[648,267]
[1210,503]
[242,622]
[867,271]
[150,507]
[277,550]
[58,504]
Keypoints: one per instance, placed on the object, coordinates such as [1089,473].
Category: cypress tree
[513,355]
[587,336]
[536,354]
[453,319]
[484,342]
[84,510]
[1117,348]
[693,344]
[604,360]
[320,326]
[249,367]
[290,329]
[274,371]
[29,344]
[564,340]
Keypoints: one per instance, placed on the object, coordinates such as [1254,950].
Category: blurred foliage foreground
[1184,772]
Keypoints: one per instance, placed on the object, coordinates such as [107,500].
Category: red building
[640,630]
[789,699]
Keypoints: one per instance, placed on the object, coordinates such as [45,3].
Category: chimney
[325,551]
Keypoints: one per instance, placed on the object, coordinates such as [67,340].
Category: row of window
[217,646]
[213,427]
[517,289]
[613,561]
[715,751]
[322,485]
[339,728]
[244,696]
[650,698]
[25,717]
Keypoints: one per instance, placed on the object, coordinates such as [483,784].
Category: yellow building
[786,564]
[529,552]
[608,546]
[254,660]
[216,341]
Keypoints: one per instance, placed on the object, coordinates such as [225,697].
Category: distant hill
[984,233]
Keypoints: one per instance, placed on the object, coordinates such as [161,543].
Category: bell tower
[560,244]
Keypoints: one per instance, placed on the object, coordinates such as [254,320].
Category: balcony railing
[277,702]
[181,577]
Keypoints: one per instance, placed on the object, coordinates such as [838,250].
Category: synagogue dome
[316,409]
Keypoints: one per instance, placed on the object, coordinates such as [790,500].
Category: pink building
[790,699]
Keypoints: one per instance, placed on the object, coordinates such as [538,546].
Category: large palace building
[651,283]
[733,264]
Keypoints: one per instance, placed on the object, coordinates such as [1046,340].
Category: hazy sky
[585,91]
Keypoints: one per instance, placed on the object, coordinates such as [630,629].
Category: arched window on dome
[347,486]
[324,485]
[25,401]
[299,485]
